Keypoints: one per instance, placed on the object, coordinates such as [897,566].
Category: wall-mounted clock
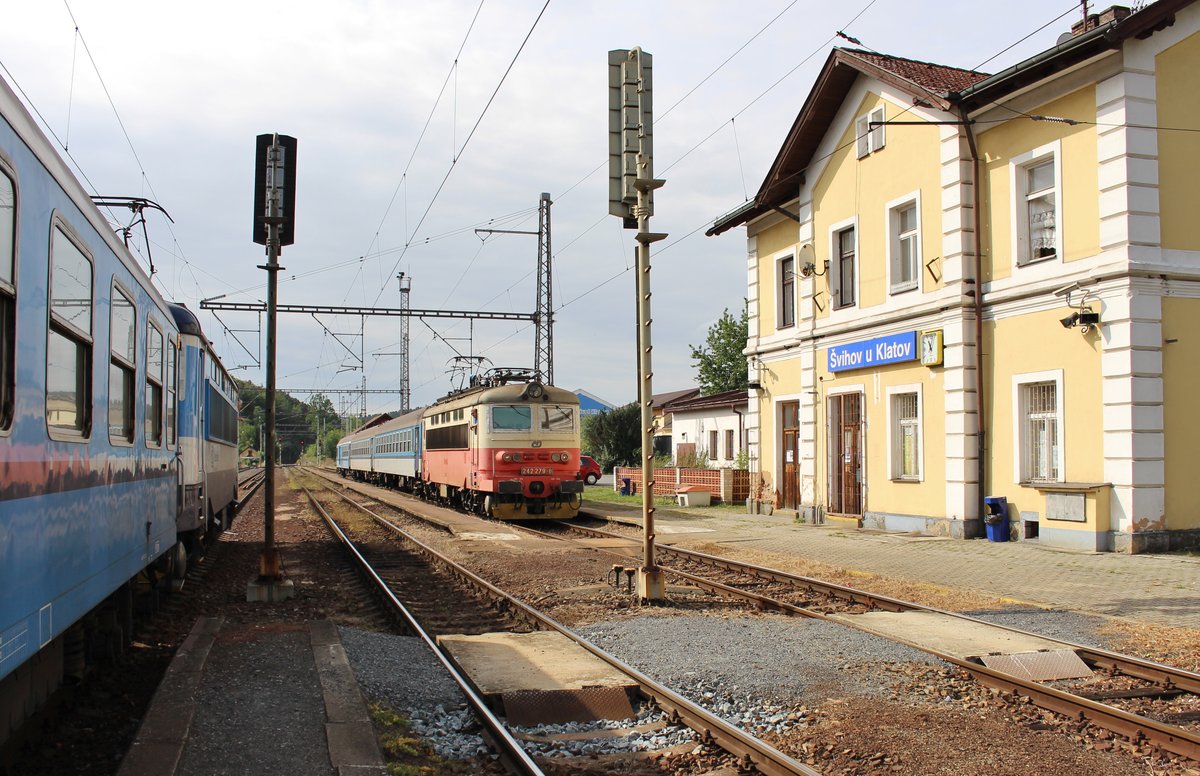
[931,347]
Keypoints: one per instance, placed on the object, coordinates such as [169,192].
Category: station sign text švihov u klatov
[876,351]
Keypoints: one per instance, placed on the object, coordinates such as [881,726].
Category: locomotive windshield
[510,418]
[557,418]
[520,417]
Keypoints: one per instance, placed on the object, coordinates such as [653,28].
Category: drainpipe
[981,419]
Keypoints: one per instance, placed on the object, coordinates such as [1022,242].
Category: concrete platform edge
[158,746]
[351,736]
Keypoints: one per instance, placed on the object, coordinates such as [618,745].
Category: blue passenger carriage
[90,464]
[208,433]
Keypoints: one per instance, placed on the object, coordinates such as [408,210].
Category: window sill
[902,289]
[1039,260]
[1060,487]
[912,480]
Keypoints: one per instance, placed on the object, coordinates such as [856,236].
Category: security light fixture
[1084,318]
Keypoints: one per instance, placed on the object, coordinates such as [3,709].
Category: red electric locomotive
[504,449]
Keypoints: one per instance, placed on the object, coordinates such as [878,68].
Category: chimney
[1093,20]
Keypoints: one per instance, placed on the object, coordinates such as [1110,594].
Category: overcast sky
[358,82]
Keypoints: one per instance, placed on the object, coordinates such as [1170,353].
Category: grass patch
[604,494]
[405,753]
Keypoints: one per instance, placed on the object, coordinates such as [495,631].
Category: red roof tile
[941,79]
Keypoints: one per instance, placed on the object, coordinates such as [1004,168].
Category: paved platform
[1153,588]
[248,699]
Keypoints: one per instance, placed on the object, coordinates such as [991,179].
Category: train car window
[511,418]
[154,386]
[221,417]
[122,366]
[557,418]
[8,299]
[69,342]
[171,381]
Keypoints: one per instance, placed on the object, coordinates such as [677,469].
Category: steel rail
[1170,677]
[1133,726]
[504,743]
[749,749]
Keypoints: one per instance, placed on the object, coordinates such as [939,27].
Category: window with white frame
[905,429]
[712,445]
[1039,427]
[1036,179]
[904,227]
[844,249]
[868,132]
[728,444]
[787,292]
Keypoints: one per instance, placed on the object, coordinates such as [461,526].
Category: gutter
[1107,36]
[980,413]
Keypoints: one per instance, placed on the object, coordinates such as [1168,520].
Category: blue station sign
[877,351]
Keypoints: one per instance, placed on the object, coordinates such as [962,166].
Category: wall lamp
[1084,318]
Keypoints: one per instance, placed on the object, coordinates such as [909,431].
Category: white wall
[694,428]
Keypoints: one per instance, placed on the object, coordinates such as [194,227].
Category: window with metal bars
[1039,444]
[906,435]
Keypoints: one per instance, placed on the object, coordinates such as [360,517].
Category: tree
[720,363]
[614,438]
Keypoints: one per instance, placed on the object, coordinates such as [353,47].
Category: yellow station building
[967,286]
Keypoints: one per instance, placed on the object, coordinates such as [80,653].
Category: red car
[589,470]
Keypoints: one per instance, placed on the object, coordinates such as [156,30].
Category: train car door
[473,445]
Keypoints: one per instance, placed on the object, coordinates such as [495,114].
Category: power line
[458,154]
[416,146]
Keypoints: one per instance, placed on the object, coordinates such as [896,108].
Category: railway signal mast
[631,185]
[274,227]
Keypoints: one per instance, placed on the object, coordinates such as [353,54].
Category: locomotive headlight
[507,458]
[559,457]
[516,457]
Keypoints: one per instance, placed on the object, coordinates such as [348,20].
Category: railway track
[389,567]
[1139,700]
[1123,679]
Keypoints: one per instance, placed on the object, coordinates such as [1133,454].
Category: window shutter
[862,137]
[876,116]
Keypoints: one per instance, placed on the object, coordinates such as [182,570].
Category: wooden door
[789,487]
[845,459]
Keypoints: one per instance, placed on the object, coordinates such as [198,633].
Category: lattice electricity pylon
[543,338]
[405,375]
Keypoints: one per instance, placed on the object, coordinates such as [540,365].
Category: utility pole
[631,197]
[274,227]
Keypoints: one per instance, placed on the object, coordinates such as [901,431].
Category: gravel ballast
[769,658]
